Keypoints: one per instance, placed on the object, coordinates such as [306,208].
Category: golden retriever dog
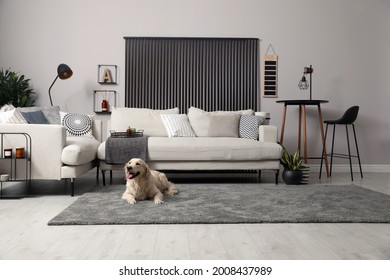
[143,183]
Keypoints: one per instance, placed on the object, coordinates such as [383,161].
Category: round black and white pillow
[77,124]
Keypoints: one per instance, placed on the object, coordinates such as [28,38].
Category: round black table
[302,103]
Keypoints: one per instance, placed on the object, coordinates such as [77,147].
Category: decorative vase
[104,105]
[292,177]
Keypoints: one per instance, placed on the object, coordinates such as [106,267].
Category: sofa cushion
[12,117]
[146,119]
[52,113]
[177,125]
[249,126]
[200,119]
[79,150]
[211,148]
[36,117]
[77,124]
[223,125]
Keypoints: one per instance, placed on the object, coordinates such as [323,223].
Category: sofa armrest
[268,133]
[47,143]
[97,130]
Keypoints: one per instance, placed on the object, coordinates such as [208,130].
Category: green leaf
[15,89]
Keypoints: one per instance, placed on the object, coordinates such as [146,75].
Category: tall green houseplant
[15,89]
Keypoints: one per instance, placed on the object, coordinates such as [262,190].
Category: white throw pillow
[77,124]
[177,125]
[12,117]
[200,119]
[224,125]
[140,118]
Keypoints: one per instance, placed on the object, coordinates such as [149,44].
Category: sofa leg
[72,186]
[110,177]
[276,176]
[97,175]
[104,177]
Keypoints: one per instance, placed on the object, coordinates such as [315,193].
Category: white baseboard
[372,168]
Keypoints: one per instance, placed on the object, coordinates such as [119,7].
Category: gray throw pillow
[52,113]
[36,117]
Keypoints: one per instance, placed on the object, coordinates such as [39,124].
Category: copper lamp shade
[63,72]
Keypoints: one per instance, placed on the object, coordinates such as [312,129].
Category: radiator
[208,73]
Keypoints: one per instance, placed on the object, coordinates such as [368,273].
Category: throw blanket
[121,150]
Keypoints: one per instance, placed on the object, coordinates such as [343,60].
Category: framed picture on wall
[107,74]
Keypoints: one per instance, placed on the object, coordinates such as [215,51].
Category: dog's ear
[143,163]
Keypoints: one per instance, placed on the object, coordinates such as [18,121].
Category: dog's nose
[129,168]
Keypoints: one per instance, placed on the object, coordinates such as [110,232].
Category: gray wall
[346,41]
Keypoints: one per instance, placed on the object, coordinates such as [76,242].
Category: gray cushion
[36,117]
[52,113]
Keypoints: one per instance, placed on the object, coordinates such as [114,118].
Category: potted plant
[15,89]
[291,163]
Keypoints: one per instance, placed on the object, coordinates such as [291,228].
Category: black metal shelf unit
[12,163]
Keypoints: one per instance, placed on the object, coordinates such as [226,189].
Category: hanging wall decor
[107,74]
[270,79]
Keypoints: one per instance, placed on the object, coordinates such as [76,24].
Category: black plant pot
[292,177]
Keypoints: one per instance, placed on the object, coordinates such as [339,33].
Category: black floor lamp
[63,72]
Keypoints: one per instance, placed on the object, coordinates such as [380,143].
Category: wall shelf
[102,94]
[107,74]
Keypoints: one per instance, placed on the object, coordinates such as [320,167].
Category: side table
[302,103]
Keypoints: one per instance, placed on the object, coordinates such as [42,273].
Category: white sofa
[54,154]
[212,147]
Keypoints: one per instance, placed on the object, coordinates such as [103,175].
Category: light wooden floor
[24,233]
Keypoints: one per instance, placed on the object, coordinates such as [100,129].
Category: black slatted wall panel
[208,73]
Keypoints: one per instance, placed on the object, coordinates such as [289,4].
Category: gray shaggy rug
[231,204]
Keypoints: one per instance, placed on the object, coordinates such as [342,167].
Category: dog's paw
[131,201]
[172,191]
[158,201]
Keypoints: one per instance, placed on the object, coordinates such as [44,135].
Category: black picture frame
[107,74]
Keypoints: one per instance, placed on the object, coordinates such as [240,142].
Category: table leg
[304,135]
[284,121]
[323,140]
[299,128]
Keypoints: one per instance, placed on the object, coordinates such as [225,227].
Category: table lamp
[303,83]
[63,72]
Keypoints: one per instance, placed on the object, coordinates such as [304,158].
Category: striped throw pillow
[249,126]
[12,117]
[177,125]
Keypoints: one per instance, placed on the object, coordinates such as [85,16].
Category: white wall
[346,41]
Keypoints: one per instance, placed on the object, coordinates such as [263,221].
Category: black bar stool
[348,118]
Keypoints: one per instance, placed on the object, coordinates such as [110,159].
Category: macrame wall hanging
[270,79]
